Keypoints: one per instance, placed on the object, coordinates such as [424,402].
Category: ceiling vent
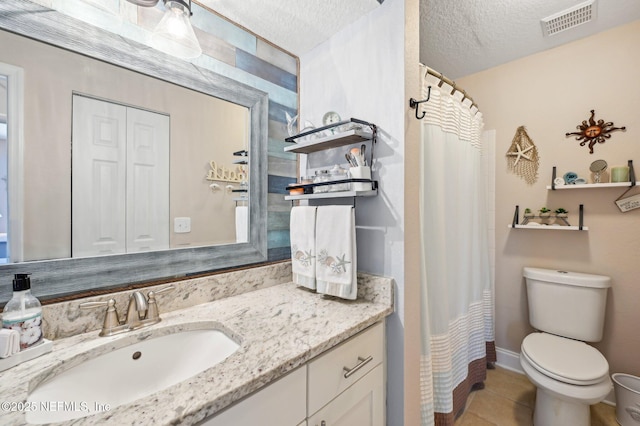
[569,18]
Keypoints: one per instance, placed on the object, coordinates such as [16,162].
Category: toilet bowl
[569,375]
[567,309]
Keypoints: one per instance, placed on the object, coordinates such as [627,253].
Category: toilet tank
[568,304]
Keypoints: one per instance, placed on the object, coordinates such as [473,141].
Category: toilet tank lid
[565,277]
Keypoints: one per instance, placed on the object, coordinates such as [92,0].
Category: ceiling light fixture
[174,34]
[144,3]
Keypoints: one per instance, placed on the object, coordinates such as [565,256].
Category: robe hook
[414,104]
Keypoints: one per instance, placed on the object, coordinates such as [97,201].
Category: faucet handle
[153,314]
[111,324]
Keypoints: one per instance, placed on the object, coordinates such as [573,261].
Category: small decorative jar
[321,176]
[338,173]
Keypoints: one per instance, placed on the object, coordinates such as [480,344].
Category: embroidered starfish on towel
[340,264]
[520,153]
[306,259]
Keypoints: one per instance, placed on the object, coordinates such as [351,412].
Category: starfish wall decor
[520,153]
[592,131]
[522,156]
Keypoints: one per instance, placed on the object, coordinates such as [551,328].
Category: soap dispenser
[23,313]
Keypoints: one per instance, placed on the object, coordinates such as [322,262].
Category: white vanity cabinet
[361,404]
[346,384]
[333,372]
[281,403]
[343,386]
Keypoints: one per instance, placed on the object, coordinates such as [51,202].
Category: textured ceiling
[294,25]
[457,37]
[462,37]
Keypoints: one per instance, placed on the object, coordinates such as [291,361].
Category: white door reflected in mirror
[120,179]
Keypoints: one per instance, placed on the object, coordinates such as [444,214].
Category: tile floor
[508,399]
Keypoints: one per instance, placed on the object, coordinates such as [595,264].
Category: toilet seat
[566,360]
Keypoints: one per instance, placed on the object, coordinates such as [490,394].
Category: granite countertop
[278,328]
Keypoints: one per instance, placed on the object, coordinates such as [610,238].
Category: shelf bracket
[581,220]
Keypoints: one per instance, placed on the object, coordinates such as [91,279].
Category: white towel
[303,245]
[242,224]
[336,270]
[9,342]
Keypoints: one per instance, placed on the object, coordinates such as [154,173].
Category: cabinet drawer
[353,358]
[360,404]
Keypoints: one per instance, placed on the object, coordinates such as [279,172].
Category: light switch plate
[181,225]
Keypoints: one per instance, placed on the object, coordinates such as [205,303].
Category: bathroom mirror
[142,152]
[71,275]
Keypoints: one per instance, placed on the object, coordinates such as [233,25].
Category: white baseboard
[510,360]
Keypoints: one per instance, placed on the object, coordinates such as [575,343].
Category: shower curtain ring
[414,104]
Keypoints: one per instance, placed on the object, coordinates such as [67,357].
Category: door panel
[147,181]
[98,178]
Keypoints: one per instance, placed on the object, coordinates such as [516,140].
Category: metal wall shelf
[526,225]
[340,194]
[332,141]
[632,181]
[335,140]
[550,227]
[593,185]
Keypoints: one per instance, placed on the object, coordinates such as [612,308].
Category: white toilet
[567,309]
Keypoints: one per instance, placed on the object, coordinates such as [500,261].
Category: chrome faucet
[141,312]
[137,310]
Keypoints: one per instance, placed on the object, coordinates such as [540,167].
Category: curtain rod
[452,84]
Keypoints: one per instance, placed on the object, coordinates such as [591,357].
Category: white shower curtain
[457,291]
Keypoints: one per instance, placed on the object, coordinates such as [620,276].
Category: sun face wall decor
[592,131]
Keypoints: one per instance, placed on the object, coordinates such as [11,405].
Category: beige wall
[412,253]
[199,133]
[550,93]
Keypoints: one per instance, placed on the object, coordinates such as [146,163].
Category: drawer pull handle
[363,361]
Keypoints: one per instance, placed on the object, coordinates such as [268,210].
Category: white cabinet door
[283,403]
[362,404]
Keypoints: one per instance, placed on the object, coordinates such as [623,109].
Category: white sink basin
[128,374]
